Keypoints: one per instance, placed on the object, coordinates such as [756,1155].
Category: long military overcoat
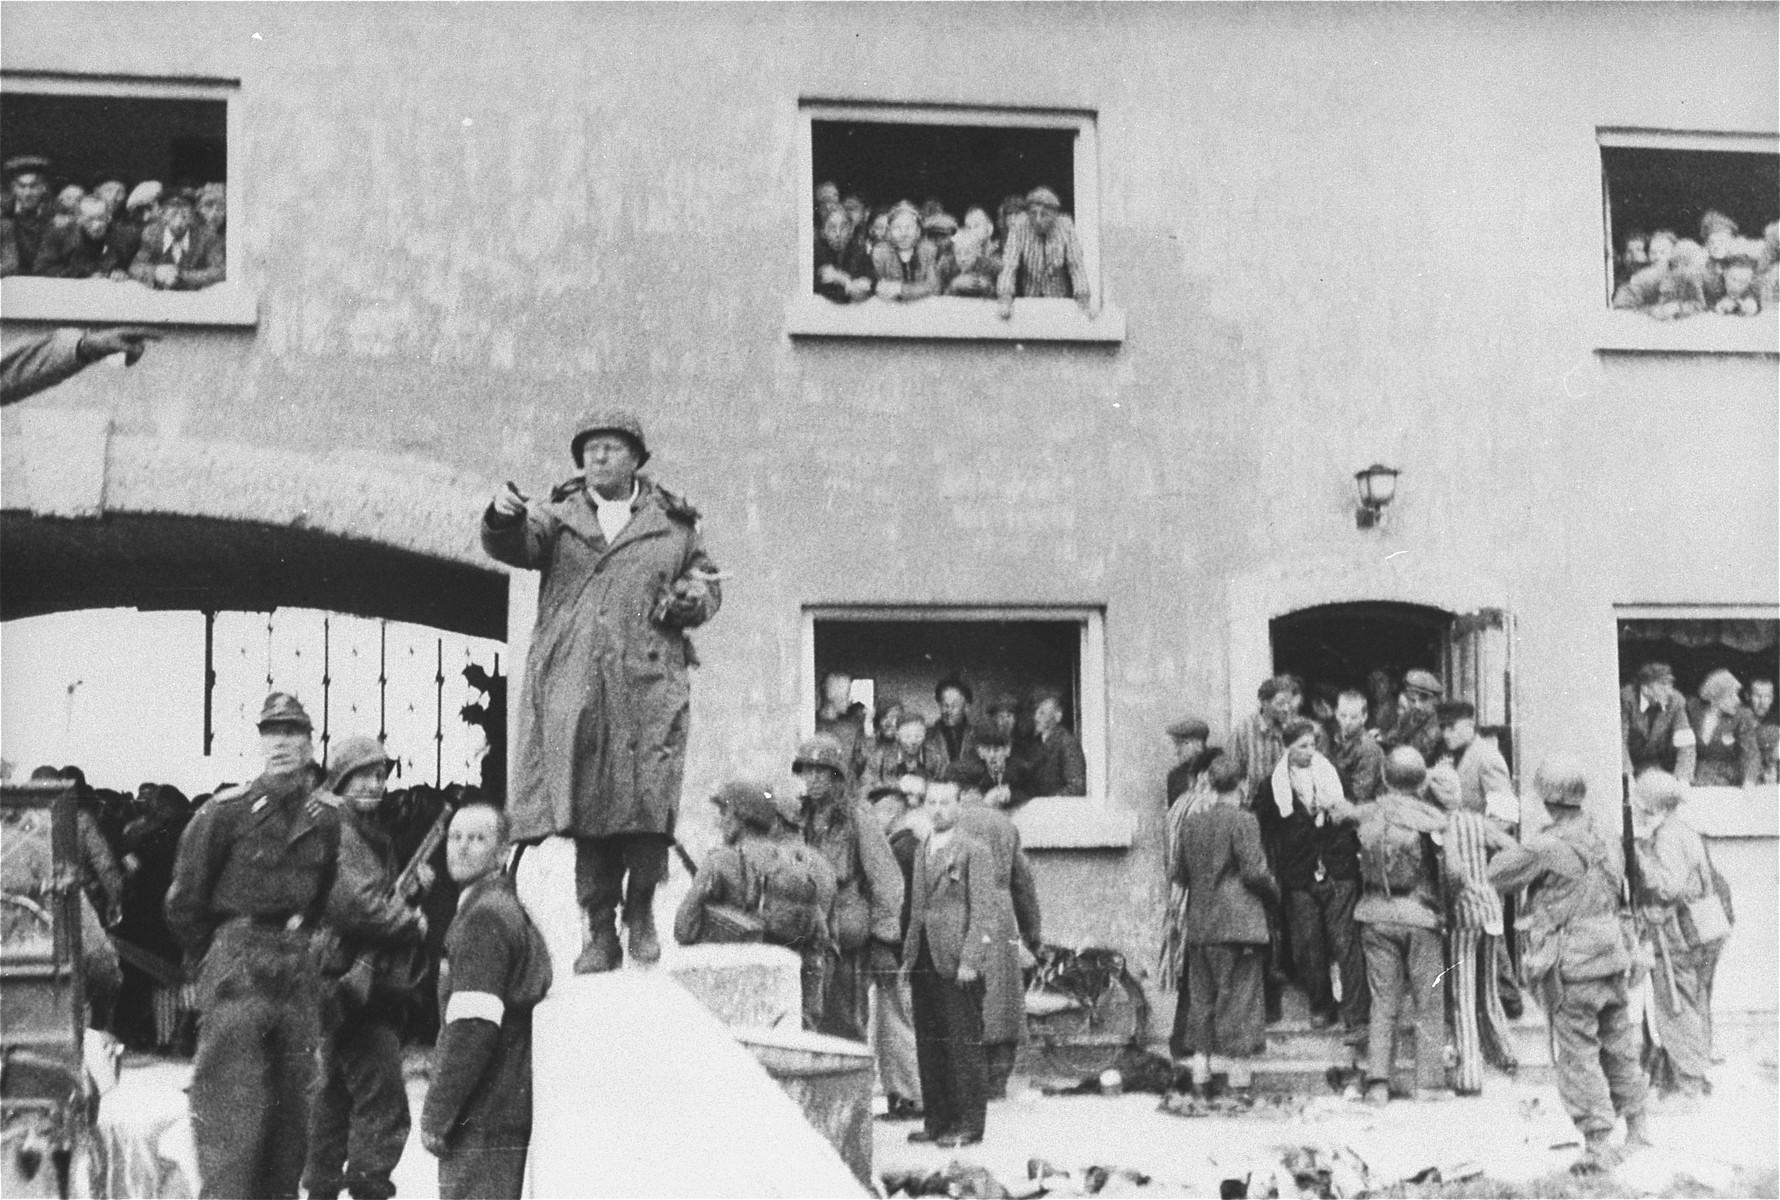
[603,719]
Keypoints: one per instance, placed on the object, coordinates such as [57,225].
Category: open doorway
[1336,646]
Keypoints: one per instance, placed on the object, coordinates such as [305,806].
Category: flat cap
[616,421]
[143,194]
[941,222]
[282,709]
[1419,680]
[1190,729]
[1043,195]
[20,163]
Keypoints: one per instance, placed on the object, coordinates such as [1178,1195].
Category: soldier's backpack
[1393,856]
[784,893]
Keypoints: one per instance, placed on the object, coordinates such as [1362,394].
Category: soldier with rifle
[371,959]
[1579,959]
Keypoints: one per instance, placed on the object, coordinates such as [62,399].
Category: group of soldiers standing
[288,897]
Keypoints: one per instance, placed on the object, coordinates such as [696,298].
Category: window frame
[232,302]
[954,317]
[1618,330]
[1092,821]
[1716,812]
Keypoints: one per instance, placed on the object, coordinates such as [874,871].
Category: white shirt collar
[613,515]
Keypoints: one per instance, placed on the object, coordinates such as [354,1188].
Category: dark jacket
[602,723]
[953,910]
[253,851]
[495,971]
[68,253]
[1655,736]
[868,885]
[852,259]
[364,912]
[1360,763]
[1057,766]
[1016,919]
[1225,873]
[203,262]
[1299,844]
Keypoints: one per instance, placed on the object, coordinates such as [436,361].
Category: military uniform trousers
[1480,1030]
[254,1073]
[484,1165]
[893,1036]
[1403,967]
[846,995]
[949,1050]
[1679,1014]
[359,1124]
[604,866]
[1598,1073]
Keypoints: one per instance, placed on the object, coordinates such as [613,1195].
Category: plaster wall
[1340,234]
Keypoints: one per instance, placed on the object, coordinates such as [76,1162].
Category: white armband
[484,1006]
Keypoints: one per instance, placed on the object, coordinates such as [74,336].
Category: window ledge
[1728,812]
[92,301]
[1073,823]
[954,318]
[1706,333]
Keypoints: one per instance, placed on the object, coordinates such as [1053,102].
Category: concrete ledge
[1706,333]
[1726,812]
[98,301]
[750,985]
[1073,823]
[954,318]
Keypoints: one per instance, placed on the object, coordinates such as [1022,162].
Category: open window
[1696,643]
[87,132]
[1002,653]
[1686,247]
[947,160]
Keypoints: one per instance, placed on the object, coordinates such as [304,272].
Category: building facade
[1318,237]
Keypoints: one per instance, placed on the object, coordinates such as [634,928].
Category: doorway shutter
[1478,669]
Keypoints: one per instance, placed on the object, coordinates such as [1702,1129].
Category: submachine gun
[355,984]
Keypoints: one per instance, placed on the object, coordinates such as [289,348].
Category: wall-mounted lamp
[1378,487]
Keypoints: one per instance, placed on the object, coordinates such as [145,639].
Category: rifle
[355,984]
[1633,887]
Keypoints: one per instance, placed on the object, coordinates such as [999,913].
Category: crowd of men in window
[167,238]
[903,252]
[1669,277]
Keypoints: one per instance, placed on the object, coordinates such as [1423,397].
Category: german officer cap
[751,803]
[611,421]
[351,755]
[282,711]
[822,750]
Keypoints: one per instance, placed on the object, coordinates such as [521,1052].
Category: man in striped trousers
[1474,926]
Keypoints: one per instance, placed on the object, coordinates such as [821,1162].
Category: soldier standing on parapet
[603,720]
[253,873]
[1578,962]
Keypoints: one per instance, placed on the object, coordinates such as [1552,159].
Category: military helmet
[753,804]
[821,750]
[282,709]
[617,421]
[354,754]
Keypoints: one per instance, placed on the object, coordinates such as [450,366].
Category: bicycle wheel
[1088,1039]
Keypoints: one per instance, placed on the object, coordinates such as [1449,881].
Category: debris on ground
[1135,1071]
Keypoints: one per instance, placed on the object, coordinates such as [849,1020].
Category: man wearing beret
[603,718]
[254,870]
